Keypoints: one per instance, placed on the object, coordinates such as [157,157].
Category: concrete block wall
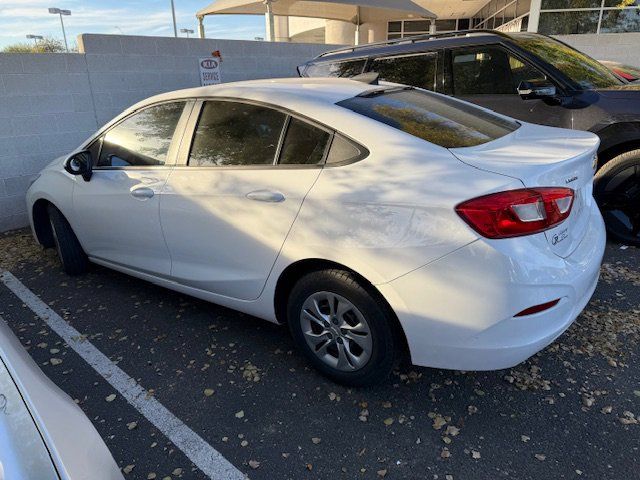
[50,103]
[46,110]
[126,69]
[617,47]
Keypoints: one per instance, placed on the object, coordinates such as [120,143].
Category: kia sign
[210,71]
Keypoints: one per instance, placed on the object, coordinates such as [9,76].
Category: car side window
[303,144]
[343,150]
[143,139]
[488,70]
[418,70]
[234,133]
[337,69]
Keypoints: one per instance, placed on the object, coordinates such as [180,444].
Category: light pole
[58,11]
[35,38]
[186,30]
[173,14]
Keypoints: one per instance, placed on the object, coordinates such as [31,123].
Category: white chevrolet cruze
[373,220]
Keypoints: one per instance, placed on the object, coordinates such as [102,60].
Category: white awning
[354,11]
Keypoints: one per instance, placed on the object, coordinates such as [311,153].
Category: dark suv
[527,76]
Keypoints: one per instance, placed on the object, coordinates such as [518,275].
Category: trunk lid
[541,156]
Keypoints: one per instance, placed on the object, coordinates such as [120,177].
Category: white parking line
[203,455]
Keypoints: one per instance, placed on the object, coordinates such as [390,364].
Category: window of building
[408,28]
[417,26]
[620,21]
[143,139]
[569,22]
[562,17]
[233,133]
[503,15]
[416,70]
[446,25]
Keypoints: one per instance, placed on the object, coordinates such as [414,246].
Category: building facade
[551,17]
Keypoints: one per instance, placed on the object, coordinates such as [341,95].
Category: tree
[46,45]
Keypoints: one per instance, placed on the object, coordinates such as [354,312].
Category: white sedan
[373,220]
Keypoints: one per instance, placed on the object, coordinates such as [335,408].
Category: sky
[135,17]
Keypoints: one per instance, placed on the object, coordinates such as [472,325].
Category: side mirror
[536,89]
[80,163]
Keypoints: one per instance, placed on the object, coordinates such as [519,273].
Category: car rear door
[489,75]
[230,203]
[116,213]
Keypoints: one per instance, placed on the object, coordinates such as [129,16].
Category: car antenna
[370,77]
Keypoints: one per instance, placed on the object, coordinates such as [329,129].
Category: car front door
[489,76]
[116,213]
[229,206]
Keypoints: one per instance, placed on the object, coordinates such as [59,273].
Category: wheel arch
[41,225]
[293,272]
[617,139]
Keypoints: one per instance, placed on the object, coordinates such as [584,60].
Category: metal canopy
[354,11]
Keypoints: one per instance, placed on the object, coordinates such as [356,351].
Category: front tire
[342,328]
[617,192]
[74,260]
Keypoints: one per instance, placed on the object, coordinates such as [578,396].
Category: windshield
[582,69]
[435,118]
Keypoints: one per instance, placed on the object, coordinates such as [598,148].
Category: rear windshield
[434,118]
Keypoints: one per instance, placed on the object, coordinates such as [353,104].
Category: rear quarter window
[435,118]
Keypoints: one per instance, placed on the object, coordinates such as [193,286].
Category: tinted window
[489,70]
[583,70]
[304,144]
[342,150]
[338,69]
[416,70]
[230,133]
[143,139]
[431,117]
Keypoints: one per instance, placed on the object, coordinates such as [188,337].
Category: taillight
[517,212]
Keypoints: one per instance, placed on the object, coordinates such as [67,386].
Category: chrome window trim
[173,147]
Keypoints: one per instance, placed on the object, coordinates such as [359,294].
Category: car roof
[417,43]
[280,91]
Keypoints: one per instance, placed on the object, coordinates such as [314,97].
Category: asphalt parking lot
[569,412]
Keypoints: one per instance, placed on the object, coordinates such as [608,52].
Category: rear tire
[74,260]
[617,192]
[359,345]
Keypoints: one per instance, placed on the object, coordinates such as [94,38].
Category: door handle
[142,193]
[266,196]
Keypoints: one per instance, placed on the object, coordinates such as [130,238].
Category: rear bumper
[458,312]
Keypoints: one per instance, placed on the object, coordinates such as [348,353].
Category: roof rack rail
[412,39]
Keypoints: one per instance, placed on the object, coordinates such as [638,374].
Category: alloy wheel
[336,331]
